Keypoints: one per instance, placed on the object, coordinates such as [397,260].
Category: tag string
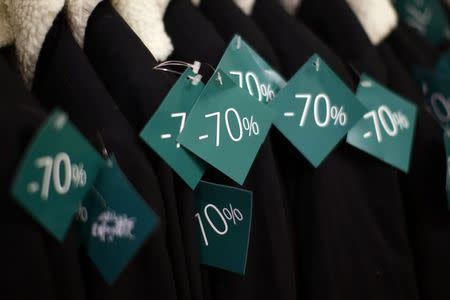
[177,63]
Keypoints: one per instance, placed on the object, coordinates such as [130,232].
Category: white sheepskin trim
[145,17]
[196,2]
[291,6]
[378,17]
[162,5]
[6,33]
[78,13]
[447,2]
[30,21]
[245,5]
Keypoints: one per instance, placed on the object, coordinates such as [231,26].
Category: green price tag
[226,127]
[427,16]
[169,120]
[115,222]
[248,70]
[224,216]
[387,130]
[315,110]
[55,174]
[436,89]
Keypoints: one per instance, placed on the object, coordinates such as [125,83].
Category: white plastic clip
[195,79]
[238,43]
[219,78]
[317,64]
[196,67]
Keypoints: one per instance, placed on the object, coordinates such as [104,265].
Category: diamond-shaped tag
[226,127]
[55,174]
[224,216]
[116,223]
[315,110]
[387,130]
[248,70]
[169,120]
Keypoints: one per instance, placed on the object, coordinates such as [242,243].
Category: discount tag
[114,222]
[224,216]
[169,120]
[315,110]
[436,89]
[55,174]
[387,130]
[226,127]
[248,70]
[427,16]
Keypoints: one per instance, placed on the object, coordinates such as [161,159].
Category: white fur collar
[30,22]
[78,13]
[145,17]
[378,17]
[291,6]
[6,34]
[245,5]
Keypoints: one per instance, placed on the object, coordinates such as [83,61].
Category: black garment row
[354,228]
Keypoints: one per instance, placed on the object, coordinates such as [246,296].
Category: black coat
[65,79]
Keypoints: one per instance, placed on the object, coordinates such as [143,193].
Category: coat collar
[26,24]
[378,18]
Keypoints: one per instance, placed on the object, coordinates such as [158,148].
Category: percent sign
[331,112]
[264,90]
[441,107]
[249,125]
[73,173]
[397,121]
[228,214]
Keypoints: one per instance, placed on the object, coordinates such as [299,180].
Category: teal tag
[315,110]
[169,120]
[387,130]
[55,174]
[116,223]
[226,127]
[224,216]
[436,89]
[248,70]
[427,16]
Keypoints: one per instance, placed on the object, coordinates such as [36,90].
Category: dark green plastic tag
[169,120]
[116,222]
[427,16]
[55,174]
[248,70]
[436,89]
[315,110]
[387,130]
[224,216]
[226,127]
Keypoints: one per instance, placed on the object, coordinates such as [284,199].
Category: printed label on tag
[248,70]
[226,127]
[224,216]
[169,120]
[436,89]
[315,110]
[116,221]
[387,130]
[427,16]
[55,174]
